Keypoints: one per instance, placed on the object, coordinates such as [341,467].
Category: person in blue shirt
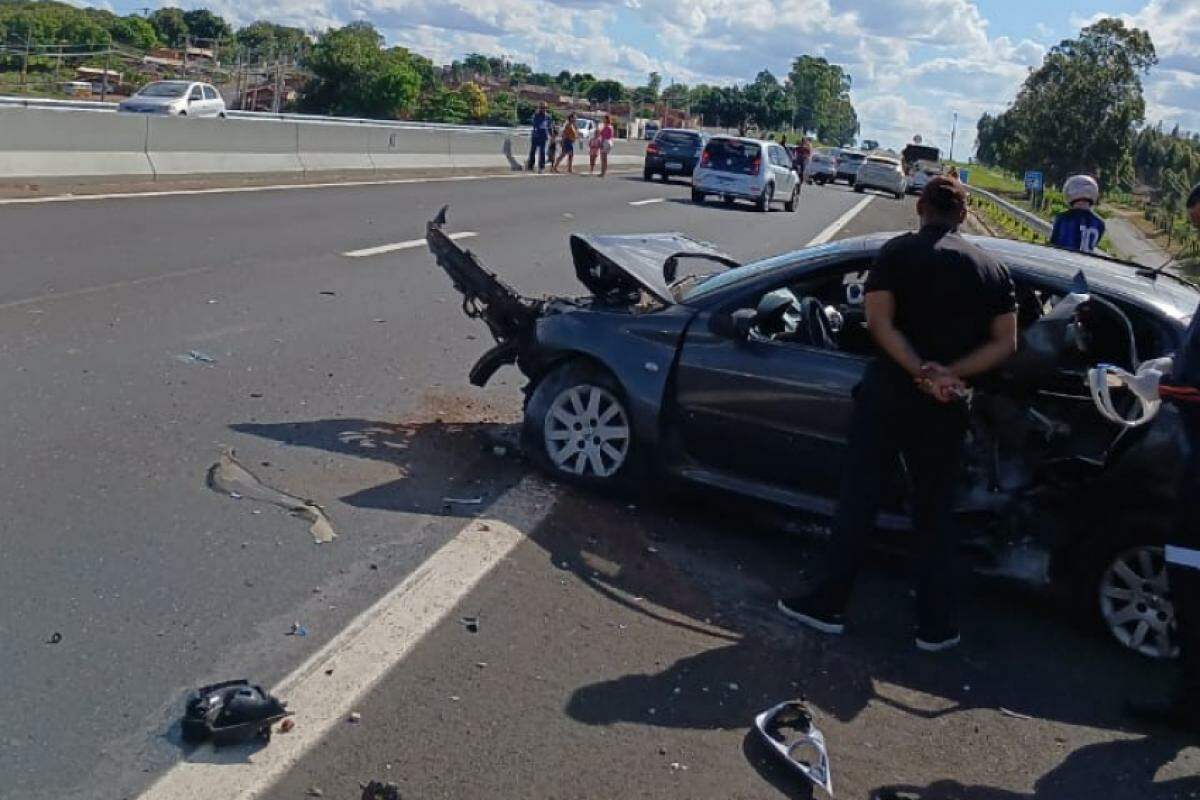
[539,137]
[1079,227]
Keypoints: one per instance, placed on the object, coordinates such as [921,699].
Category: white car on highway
[176,98]
[883,173]
[921,173]
[747,169]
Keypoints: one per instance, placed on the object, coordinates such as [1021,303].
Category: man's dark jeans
[537,147]
[1185,580]
[891,419]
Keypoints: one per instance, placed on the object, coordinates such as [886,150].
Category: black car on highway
[741,378]
[674,151]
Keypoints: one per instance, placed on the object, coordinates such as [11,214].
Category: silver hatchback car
[735,168]
[176,98]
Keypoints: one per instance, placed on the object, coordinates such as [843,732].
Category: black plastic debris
[232,712]
[471,624]
[789,730]
[55,638]
[378,790]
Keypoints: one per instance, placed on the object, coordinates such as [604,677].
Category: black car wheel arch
[578,426]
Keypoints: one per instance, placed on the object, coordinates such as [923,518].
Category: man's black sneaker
[808,612]
[936,639]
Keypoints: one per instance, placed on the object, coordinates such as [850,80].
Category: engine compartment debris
[228,476]
[231,712]
[789,730]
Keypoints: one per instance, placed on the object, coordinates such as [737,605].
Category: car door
[770,411]
[785,178]
[196,101]
[212,101]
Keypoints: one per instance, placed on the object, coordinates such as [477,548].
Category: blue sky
[913,62]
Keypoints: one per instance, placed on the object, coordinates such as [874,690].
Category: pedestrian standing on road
[569,136]
[593,151]
[805,153]
[1079,227]
[1183,547]
[606,135]
[552,154]
[539,133]
[912,401]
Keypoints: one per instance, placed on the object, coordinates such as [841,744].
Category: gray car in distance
[674,151]
[176,98]
[678,362]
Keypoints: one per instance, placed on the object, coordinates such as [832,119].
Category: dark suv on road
[674,151]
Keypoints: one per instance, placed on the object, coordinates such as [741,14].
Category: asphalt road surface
[621,650]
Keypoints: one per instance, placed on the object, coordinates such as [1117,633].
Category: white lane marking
[649,202]
[46,298]
[362,654]
[411,243]
[280,187]
[841,222]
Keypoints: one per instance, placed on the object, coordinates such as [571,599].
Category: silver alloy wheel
[587,432]
[1135,602]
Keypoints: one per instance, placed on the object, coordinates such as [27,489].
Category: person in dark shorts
[1182,710]
[942,312]
[569,134]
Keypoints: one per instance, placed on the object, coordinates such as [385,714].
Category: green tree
[676,95]
[478,64]
[502,109]
[1078,111]
[606,91]
[475,100]
[170,25]
[204,24]
[355,76]
[442,105]
[134,31]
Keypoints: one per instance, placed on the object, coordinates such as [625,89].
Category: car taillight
[754,167]
[652,148]
[704,159]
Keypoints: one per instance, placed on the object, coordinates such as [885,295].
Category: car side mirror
[736,325]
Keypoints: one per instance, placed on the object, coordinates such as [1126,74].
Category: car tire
[727,199]
[578,427]
[763,203]
[794,201]
[221,115]
[1123,588]
[899,195]
[859,188]
[697,197]
[647,175]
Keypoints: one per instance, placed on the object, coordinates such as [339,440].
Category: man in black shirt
[941,311]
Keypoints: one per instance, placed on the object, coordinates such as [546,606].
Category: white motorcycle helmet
[1081,187]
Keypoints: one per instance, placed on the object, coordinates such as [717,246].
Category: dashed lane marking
[832,229]
[648,202]
[408,245]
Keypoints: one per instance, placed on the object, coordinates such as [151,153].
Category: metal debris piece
[463,501]
[471,624]
[55,638]
[1014,714]
[287,725]
[355,716]
[228,476]
[789,730]
[196,357]
[677,767]
[378,790]
[314,791]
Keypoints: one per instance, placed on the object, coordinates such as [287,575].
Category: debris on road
[314,791]
[287,725]
[228,476]
[328,293]
[677,767]
[1014,714]
[55,638]
[378,790]
[196,357]
[788,728]
[355,717]
[230,713]
[470,623]
[297,630]
[463,501]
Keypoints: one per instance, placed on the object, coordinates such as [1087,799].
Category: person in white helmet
[1079,227]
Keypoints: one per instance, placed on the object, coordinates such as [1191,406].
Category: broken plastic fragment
[196,357]
[378,790]
[55,638]
[298,630]
[230,477]
[789,730]
[231,712]
[471,624]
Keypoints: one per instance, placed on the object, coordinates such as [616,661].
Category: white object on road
[408,245]
[805,749]
[648,202]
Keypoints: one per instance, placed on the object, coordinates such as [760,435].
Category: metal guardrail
[267,116]
[1022,215]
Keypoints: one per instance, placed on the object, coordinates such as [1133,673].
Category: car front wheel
[578,427]
[697,197]
[764,200]
[794,201]
[1134,600]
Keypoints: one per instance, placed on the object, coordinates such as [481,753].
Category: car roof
[883,159]
[681,130]
[746,139]
[1124,280]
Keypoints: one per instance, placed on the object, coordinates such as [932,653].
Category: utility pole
[104,77]
[953,132]
[25,58]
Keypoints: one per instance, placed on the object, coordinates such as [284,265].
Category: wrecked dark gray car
[741,378]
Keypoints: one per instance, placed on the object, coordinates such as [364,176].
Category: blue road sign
[1033,181]
[964,175]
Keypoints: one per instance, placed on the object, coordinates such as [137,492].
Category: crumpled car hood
[601,261]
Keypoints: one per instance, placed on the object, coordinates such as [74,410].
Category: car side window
[196,94]
[210,93]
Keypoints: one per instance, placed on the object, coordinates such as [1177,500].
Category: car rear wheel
[578,427]
[764,200]
[647,174]
[1134,600]
[899,195]
[697,197]
[858,188]
[793,202]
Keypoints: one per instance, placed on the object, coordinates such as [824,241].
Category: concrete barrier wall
[181,146]
[44,143]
